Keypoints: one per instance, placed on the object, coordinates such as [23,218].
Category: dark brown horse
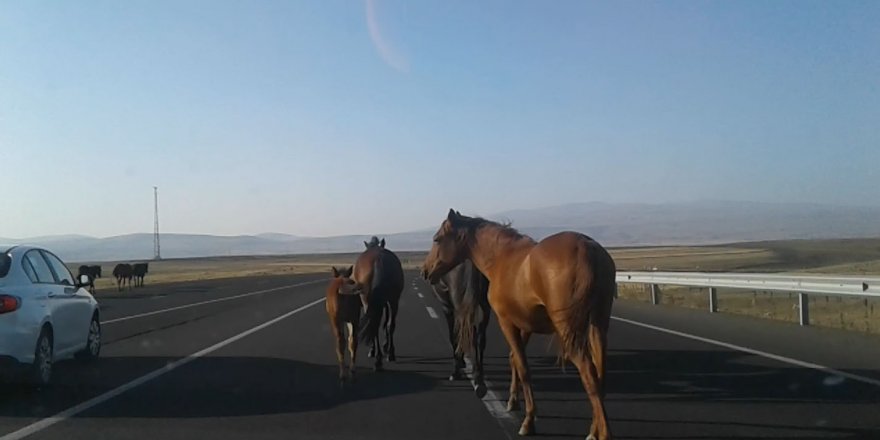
[379,277]
[92,272]
[463,295]
[374,241]
[139,271]
[563,285]
[344,310]
[122,272]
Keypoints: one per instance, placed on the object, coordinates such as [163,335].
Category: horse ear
[382,243]
[452,216]
[349,271]
[334,271]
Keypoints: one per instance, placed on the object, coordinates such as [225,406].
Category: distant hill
[612,224]
[704,222]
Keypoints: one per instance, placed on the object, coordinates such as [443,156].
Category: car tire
[93,341]
[41,369]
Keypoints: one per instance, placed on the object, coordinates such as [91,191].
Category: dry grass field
[850,257]
[194,269]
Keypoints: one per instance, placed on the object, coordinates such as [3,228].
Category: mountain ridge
[612,224]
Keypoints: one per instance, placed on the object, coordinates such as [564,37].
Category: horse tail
[375,305]
[594,289]
[464,324]
[475,288]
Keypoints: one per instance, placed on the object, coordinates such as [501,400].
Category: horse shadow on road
[702,394]
[205,387]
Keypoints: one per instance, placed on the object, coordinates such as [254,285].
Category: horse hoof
[392,358]
[526,430]
[456,375]
[512,406]
[591,437]
[480,390]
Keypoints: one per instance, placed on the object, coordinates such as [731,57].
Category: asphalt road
[253,358]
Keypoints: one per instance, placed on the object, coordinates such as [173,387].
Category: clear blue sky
[332,117]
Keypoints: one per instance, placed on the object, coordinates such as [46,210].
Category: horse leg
[377,366]
[374,342]
[339,336]
[457,364]
[590,379]
[386,314]
[352,348]
[513,401]
[517,340]
[480,349]
[389,337]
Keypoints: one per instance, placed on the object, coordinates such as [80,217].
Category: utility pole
[157,255]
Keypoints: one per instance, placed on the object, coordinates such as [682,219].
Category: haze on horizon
[338,117]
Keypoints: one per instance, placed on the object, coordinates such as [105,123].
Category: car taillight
[9,303]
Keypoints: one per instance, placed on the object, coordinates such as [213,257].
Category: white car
[45,313]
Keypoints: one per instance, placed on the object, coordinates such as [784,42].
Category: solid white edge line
[210,301]
[490,400]
[72,411]
[431,312]
[494,405]
[752,351]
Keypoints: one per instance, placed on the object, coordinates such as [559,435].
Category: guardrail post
[655,294]
[804,308]
[713,300]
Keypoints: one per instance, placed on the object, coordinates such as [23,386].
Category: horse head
[450,247]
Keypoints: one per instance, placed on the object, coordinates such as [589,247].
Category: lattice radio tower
[157,254]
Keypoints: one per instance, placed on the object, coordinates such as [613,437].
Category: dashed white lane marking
[763,354]
[491,401]
[210,301]
[73,411]
[431,312]
[494,405]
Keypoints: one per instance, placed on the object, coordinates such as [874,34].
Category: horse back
[563,264]
[122,270]
[380,271]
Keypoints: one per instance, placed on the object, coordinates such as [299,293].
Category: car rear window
[5,264]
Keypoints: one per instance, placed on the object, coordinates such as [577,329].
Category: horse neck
[491,248]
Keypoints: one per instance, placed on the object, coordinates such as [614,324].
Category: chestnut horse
[344,310]
[379,277]
[562,285]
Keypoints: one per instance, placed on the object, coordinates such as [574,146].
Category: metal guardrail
[800,284]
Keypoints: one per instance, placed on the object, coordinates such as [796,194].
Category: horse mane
[505,230]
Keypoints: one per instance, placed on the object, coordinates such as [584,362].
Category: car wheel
[93,341]
[41,370]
